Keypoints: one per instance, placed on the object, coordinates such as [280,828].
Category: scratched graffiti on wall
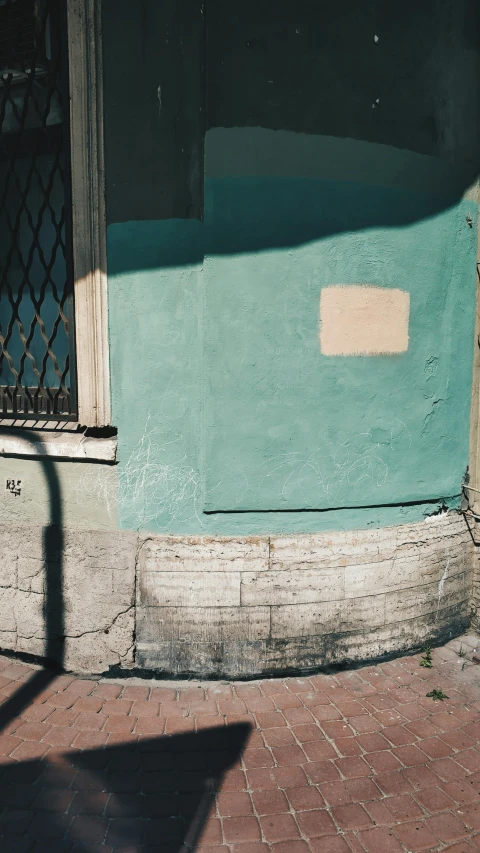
[148,487]
[327,471]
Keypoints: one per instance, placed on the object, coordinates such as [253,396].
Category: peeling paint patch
[431,366]
[436,408]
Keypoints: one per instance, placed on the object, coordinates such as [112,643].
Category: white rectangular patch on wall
[363,320]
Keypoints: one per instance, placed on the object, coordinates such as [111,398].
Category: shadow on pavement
[152,795]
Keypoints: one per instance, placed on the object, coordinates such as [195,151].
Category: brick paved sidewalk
[347,763]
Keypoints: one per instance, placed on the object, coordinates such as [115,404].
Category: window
[53,336]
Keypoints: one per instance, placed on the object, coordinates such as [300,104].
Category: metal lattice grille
[36,295]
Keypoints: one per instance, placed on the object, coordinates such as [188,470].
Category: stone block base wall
[243,607]
[78,585]
[475,622]
[235,607]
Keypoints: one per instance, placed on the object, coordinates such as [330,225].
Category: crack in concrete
[101,630]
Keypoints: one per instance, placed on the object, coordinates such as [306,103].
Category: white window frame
[61,439]
[84,32]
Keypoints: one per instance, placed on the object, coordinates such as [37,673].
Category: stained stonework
[233,606]
[241,607]
[476,580]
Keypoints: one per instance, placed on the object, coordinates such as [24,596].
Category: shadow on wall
[53,597]
[282,129]
[155,791]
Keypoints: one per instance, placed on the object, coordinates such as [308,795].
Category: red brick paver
[354,762]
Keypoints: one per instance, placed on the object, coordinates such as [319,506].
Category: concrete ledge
[60,445]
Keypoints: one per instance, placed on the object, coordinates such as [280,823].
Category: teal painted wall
[286,427]
[228,413]
[261,159]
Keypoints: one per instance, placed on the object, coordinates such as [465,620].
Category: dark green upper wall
[153,91]
[317,68]
[307,67]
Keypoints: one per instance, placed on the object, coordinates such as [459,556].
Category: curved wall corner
[238,607]
[243,607]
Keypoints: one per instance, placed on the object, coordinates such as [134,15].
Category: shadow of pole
[53,543]
[160,790]
[153,794]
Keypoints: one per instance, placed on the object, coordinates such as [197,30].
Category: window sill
[58,445]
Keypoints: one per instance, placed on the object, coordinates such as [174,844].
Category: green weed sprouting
[437,694]
[426,659]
